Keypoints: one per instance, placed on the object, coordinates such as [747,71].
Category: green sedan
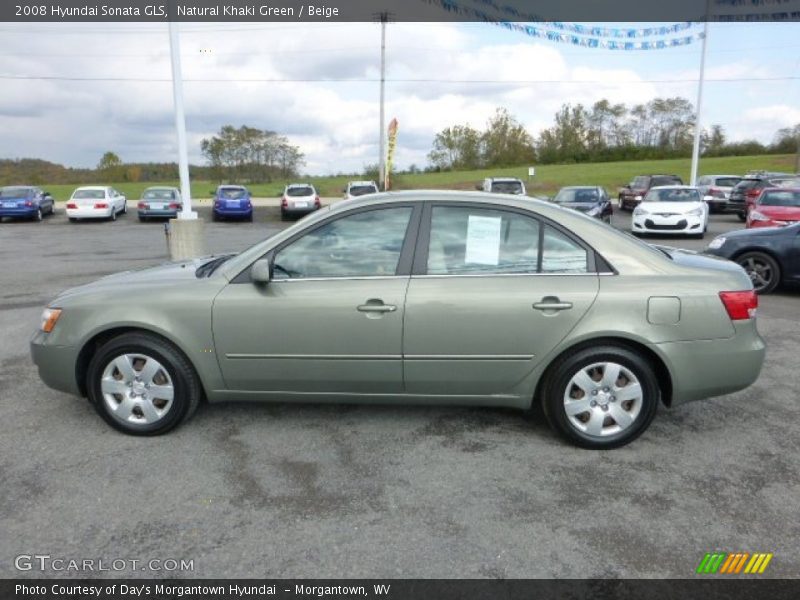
[415,298]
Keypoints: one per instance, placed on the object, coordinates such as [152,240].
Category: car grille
[674,227]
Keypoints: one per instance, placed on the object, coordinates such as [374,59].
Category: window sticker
[483,240]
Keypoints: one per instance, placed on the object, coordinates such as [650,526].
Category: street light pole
[697,125]
[180,122]
[384,17]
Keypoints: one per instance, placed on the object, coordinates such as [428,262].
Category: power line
[396,80]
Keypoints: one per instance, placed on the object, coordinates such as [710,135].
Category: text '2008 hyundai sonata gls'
[418,297]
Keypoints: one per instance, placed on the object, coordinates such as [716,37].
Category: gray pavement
[351,491]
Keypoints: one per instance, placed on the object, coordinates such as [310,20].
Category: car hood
[741,234]
[779,212]
[166,273]
[581,206]
[679,208]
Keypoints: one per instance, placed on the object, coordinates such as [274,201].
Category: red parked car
[775,207]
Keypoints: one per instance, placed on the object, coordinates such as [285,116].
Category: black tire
[142,219]
[113,216]
[187,389]
[73,220]
[125,208]
[765,268]
[742,216]
[284,216]
[39,215]
[559,376]
[250,218]
[214,217]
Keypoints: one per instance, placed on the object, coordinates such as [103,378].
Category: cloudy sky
[438,75]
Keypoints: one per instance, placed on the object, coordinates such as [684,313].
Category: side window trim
[420,263]
[406,252]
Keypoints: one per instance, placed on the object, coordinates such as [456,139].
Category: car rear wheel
[113,216]
[39,215]
[124,208]
[742,215]
[763,270]
[602,397]
[142,385]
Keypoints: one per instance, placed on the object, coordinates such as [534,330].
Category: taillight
[174,205]
[142,205]
[28,203]
[101,205]
[71,205]
[752,193]
[284,202]
[716,193]
[317,203]
[740,305]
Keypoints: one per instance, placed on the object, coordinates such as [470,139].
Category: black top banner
[512,11]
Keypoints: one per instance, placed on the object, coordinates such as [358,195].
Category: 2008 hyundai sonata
[419,297]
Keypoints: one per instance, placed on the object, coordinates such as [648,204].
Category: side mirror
[260,272]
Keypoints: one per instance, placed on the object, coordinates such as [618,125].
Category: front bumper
[56,364]
[677,224]
[707,368]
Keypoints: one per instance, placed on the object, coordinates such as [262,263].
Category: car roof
[92,187]
[673,187]
[504,179]
[362,183]
[291,185]
[580,187]
[160,187]
[739,176]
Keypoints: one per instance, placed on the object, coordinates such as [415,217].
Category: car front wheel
[142,385]
[601,397]
[763,270]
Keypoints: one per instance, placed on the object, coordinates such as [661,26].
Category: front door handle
[376,306]
[549,303]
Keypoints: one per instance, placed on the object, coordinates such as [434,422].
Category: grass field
[548,179]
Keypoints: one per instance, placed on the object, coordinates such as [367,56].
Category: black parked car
[636,190]
[770,255]
[744,194]
[592,200]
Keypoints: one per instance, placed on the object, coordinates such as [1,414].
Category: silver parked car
[415,298]
[716,189]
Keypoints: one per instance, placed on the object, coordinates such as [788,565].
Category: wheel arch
[663,375]
[93,344]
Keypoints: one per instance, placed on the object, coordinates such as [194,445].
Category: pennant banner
[390,153]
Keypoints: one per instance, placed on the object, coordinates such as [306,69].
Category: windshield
[666,180]
[727,181]
[673,195]
[296,192]
[90,194]
[14,192]
[232,193]
[158,195]
[507,187]
[785,182]
[362,190]
[640,182]
[577,195]
[787,198]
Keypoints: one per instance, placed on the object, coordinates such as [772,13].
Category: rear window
[362,190]
[89,194]
[727,181]
[158,195]
[300,191]
[747,184]
[787,198]
[14,192]
[232,193]
[666,181]
[507,187]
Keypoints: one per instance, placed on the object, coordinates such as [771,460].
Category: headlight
[718,242]
[50,317]
[757,216]
[637,197]
[639,211]
[697,212]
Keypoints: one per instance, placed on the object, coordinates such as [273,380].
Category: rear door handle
[376,306]
[549,303]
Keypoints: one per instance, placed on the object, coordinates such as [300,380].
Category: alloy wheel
[759,270]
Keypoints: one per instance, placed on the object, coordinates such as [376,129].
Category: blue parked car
[25,202]
[232,201]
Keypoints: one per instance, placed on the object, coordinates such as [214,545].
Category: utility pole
[384,17]
[180,121]
[697,125]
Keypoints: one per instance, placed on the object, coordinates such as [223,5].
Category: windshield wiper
[206,269]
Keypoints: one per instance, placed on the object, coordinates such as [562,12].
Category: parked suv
[636,190]
[359,188]
[744,194]
[503,185]
[715,190]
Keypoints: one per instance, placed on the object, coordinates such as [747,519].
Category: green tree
[110,167]
[506,142]
[457,147]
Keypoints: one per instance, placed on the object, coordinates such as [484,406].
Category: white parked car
[503,185]
[299,199]
[96,202]
[355,189]
[672,209]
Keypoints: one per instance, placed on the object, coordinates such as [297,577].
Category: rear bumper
[20,213]
[706,368]
[298,211]
[89,213]
[231,212]
[56,364]
[151,213]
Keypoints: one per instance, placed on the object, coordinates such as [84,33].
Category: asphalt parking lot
[350,491]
